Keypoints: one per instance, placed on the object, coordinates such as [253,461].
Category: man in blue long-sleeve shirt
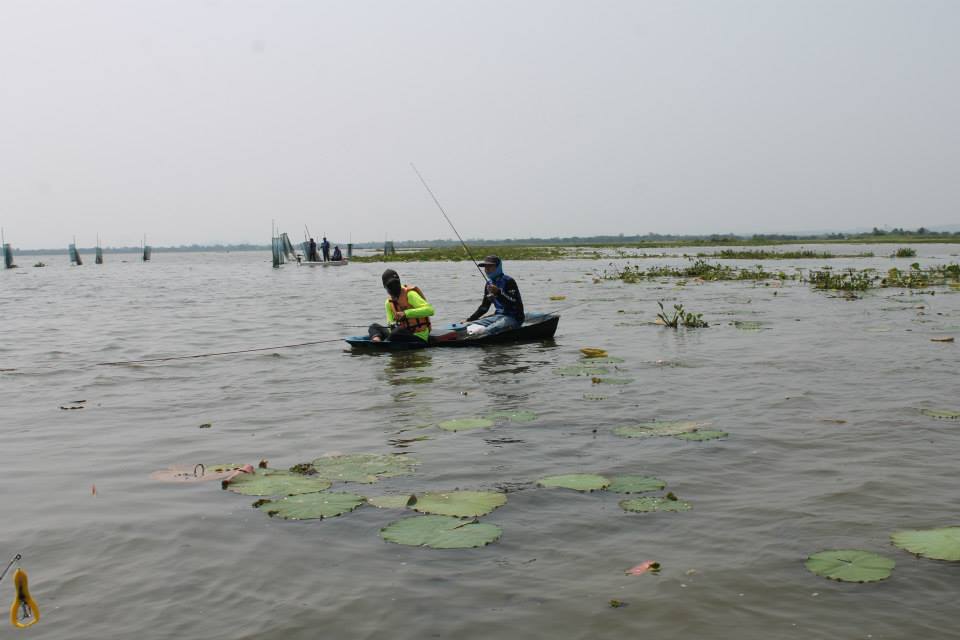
[503,293]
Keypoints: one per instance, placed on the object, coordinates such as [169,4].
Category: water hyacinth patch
[648,505]
[850,565]
[441,532]
[270,482]
[363,467]
[936,544]
[575,481]
[635,484]
[459,504]
[312,506]
[465,424]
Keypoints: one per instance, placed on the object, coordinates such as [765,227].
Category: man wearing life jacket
[502,291]
[408,313]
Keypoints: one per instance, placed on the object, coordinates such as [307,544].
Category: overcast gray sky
[196,121]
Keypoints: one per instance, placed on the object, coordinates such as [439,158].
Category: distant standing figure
[337,256]
[325,246]
[312,253]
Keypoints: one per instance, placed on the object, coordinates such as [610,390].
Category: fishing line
[219,353]
[439,206]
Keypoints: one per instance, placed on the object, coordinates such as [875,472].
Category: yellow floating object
[558,297]
[590,352]
[24,602]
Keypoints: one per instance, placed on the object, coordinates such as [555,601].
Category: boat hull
[537,326]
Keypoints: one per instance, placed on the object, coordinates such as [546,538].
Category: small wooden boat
[321,263]
[536,326]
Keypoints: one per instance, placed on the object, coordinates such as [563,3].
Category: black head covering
[391,282]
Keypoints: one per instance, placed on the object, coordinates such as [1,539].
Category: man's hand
[494,289]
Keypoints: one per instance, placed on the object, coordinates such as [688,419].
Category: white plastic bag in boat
[475,329]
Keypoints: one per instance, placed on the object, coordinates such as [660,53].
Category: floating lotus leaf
[390,502]
[612,380]
[363,467]
[466,424]
[657,429]
[590,352]
[850,565]
[461,504]
[941,414]
[700,436]
[312,506]
[646,505]
[938,544]
[187,473]
[635,484]
[576,481]
[270,482]
[584,370]
[748,325]
[514,416]
[441,532]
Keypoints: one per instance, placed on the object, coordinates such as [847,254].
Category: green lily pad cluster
[627,484]
[941,414]
[856,565]
[365,468]
[442,526]
[684,430]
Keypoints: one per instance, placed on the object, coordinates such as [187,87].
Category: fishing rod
[439,206]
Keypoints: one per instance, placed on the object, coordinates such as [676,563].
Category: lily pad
[700,436]
[659,429]
[390,502]
[465,424]
[646,505]
[941,414]
[441,532]
[363,467]
[583,370]
[187,473]
[312,506]
[575,481]
[748,325]
[850,565]
[514,416]
[938,544]
[270,482]
[460,504]
[612,380]
[635,484]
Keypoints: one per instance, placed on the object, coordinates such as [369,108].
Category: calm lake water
[143,559]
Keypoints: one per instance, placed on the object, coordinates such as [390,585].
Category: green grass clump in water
[697,269]
[457,253]
[763,254]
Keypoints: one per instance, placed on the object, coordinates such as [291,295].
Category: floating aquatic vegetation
[575,481]
[514,416]
[936,544]
[700,436]
[441,532]
[465,424]
[363,467]
[594,397]
[269,482]
[205,425]
[647,505]
[195,472]
[850,565]
[590,352]
[905,252]
[849,280]
[749,325]
[585,370]
[611,380]
[941,414]
[391,502]
[635,484]
[415,380]
[558,298]
[460,504]
[608,360]
[700,269]
[680,317]
[658,429]
[311,506]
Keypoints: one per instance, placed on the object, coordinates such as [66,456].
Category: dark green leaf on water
[205,425]
[850,565]
[647,505]
[700,436]
[460,504]
[635,484]
[466,424]
[363,467]
[612,380]
[312,506]
[659,429]
[575,481]
[616,604]
[937,544]
[441,532]
[269,482]
[941,414]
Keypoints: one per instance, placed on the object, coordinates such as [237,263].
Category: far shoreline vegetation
[558,248]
